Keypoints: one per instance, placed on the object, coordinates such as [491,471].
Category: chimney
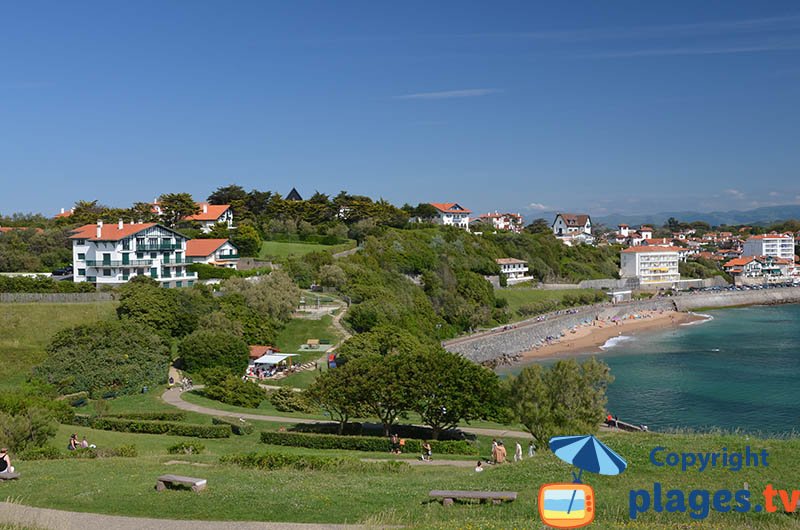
[62,210]
[120,224]
[205,208]
[99,228]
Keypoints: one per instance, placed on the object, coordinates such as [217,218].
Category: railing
[228,256]
[186,261]
[159,246]
[117,263]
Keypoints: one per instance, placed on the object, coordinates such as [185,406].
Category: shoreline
[589,338]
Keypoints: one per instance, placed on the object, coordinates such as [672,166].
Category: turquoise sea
[740,370]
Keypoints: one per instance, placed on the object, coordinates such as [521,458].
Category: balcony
[116,263]
[228,256]
[159,247]
[184,261]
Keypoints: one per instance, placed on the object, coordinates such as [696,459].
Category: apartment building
[451,214]
[513,268]
[775,245]
[651,264]
[112,254]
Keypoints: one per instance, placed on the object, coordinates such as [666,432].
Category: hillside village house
[573,228]
[759,269]
[113,254]
[451,214]
[511,222]
[513,269]
[217,252]
[775,245]
[211,215]
[650,264]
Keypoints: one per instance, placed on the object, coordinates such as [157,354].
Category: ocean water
[740,370]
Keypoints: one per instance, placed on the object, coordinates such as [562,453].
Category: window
[80,241]
[153,255]
[140,255]
[140,271]
[106,272]
[81,272]
[82,255]
[126,244]
[179,284]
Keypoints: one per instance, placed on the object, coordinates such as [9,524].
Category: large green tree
[117,357]
[338,392]
[214,349]
[273,296]
[176,206]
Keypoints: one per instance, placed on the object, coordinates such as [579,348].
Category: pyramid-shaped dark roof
[293,196]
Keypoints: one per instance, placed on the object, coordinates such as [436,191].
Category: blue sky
[595,106]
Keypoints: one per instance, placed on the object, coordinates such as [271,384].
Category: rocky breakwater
[506,345]
[777,295]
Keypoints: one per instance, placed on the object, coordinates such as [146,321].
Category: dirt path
[48,519]
[173,397]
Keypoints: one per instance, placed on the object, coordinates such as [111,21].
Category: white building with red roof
[451,214]
[510,222]
[759,269]
[776,245]
[651,264]
[211,215]
[217,252]
[513,269]
[112,254]
[573,228]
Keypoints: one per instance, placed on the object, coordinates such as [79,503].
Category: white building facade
[451,214]
[650,264]
[513,268]
[112,254]
[217,252]
[775,245]
[211,215]
[511,222]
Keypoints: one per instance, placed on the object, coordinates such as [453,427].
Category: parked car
[64,271]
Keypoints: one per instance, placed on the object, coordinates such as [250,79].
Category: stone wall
[782,295]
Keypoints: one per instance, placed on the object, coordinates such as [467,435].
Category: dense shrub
[23,284]
[186,448]
[239,426]
[271,461]
[370,429]
[211,349]
[51,453]
[105,357]
[227,388]
[288,400]
[362,443]
[161,427]
[29,420]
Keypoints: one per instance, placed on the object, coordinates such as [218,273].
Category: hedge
[271,461]
[161,427]
[186,448]
[239,427]
[376,430]
[362,443]
[154,416]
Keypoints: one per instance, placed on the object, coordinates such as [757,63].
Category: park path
[48,519]
[173,397]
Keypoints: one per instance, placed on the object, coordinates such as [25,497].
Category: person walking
[518,453]
[531,449]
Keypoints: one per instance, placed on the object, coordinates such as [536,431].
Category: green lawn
[282,249]
[520,296]
[26,329]
[126,486]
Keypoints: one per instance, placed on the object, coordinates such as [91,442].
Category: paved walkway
[173,397]
[48,519]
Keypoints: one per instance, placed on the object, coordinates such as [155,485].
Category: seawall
[525,336]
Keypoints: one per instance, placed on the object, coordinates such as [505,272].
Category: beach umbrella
[587,453]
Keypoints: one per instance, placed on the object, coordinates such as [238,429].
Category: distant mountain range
[758,216]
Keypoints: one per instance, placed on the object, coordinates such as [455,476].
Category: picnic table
[196,484]
[496,497]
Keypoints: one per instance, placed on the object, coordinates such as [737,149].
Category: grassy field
[25,330]
[520,296]
[125,486]
[283,249]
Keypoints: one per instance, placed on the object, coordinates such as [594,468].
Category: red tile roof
[573,219]
[651,249]
[448,207]
[62,214]
[771,236]
[257,351]
[212,213]
[739,262]
[508,261]
[203,247]
[110,231]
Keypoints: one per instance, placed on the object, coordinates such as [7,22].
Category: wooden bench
[197,484]
[9,476]
[495,496]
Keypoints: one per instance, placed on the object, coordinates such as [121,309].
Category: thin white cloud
[723,50]
[451,94]
[774,194]
[538,206]
[735,193]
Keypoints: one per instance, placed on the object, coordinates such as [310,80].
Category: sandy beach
[588,338]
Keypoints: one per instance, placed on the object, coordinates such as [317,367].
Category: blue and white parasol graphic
[587,453]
